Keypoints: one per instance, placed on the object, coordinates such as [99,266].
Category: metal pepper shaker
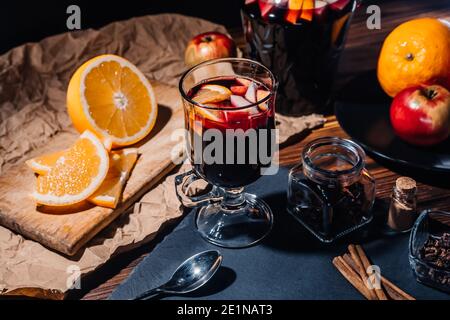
[403,208]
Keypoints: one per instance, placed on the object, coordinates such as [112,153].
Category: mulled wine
[301,42]
[231,135]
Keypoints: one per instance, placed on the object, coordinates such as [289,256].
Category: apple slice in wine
[250,95]
[239,102]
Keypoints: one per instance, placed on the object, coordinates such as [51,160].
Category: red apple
[420,115]
[207,46]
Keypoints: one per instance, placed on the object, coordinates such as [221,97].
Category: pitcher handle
[182,183]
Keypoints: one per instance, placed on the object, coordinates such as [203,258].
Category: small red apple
[420,115]
[207,46]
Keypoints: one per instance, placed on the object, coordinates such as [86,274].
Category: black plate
[363,112]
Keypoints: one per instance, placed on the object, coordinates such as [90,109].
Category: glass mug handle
[184,181]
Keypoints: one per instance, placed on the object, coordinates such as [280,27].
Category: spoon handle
[148,294]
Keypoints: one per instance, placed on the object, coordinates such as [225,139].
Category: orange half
[109,96]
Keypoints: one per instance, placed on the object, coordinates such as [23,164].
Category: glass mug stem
[233,198]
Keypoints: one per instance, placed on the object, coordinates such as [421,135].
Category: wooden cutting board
[67,231]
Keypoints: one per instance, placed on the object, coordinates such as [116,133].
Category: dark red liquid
[198,120]
[303,55]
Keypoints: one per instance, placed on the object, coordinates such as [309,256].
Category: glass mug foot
[226,218]
[239,228]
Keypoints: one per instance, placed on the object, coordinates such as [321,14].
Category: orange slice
[43,164]
[120,166]
[307,10]
[294,7]
[261,95]
[76,175]
[121,163]
[208,95]
[109,96]
[212,93]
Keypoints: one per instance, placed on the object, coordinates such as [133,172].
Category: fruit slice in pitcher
[307,10]
[265,6]
[338,4]
[294,7]
[320,9]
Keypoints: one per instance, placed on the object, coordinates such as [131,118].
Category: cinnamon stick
[396,290]
[366,263]
[351,276]
[393,292]
[359,267]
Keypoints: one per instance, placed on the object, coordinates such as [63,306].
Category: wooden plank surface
[67,233]
[360,55]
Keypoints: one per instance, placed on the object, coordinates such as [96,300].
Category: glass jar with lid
[330,191]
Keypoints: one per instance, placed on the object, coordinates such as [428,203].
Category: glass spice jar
[403,208]
[330,192]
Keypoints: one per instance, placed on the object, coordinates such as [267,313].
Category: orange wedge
[120,166]
[109,96]
[212,93]
[307,10]
[76,175]
[121,163]
[294,7]
[208,95]
[43,164]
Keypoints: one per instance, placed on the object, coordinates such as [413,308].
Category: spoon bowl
[190,275]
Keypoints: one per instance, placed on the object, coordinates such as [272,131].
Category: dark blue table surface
[288,264]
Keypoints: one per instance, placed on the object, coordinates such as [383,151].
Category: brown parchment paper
[33,82]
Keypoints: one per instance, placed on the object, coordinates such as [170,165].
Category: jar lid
[406,184]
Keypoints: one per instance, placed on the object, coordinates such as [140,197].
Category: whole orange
[416,52]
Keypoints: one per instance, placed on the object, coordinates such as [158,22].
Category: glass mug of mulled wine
[301,42]
[230,140]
